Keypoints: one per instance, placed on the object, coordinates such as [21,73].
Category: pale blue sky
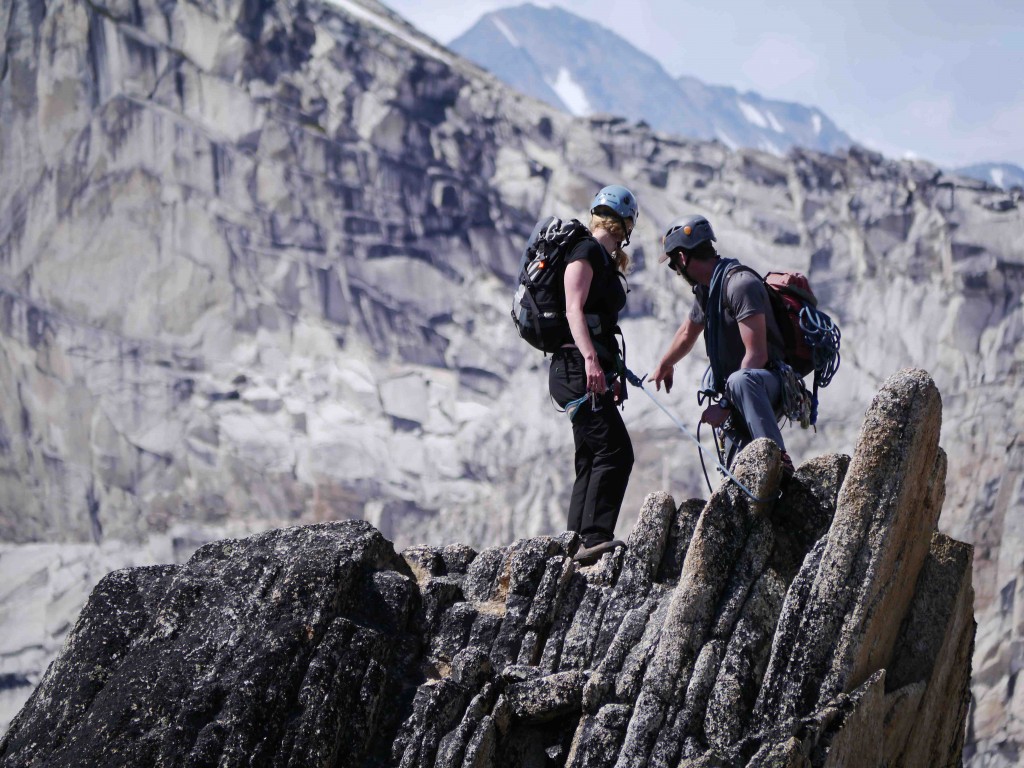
[939,79]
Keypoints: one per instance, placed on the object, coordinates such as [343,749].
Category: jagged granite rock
[318,645]
[255,262]
[253,652]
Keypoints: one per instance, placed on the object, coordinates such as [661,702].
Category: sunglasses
[673,261]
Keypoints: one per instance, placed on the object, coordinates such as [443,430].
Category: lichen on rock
[821,623]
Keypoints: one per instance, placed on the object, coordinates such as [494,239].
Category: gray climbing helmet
[686,233]
[619,199]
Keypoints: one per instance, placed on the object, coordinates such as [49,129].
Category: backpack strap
[577,234]
[775,304]
[714,317]
[598,324]
[733,269]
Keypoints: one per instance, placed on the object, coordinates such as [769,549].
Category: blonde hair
[613,224]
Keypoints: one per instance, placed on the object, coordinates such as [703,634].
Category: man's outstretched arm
[682,343]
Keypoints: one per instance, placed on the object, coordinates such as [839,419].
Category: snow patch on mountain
[524,45]
[1003,175]
[502,27]
[752,114]
[387,25]
[571,93]
[724,137]
[764,120]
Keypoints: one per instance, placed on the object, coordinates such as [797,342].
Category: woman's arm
[578,276]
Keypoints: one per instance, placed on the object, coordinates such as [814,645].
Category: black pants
[604,453]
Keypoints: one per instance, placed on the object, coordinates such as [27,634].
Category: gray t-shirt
[745,296]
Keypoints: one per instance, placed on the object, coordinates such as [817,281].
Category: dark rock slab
[282,644]
[121,606]
[545,698]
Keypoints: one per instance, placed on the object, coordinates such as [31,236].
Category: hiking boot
[590,555]
[787,466]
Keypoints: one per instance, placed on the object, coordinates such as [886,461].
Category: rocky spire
[831,625]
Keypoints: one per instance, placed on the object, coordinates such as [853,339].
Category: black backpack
[538,309]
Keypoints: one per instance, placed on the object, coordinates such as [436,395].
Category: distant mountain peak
[1003,175]
[526,46]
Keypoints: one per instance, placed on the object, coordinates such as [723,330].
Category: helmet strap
[625,231]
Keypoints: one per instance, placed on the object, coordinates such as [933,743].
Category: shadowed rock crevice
[830,626]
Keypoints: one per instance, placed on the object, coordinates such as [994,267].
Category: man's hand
[682,342]
[662,373]
[715,415]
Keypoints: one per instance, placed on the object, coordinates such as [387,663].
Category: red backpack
[789,293]
[809,336]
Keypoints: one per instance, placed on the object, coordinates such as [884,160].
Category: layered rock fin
[828,624]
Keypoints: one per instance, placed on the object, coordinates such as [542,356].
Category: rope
[639,383]
[703,466]
[574,405]
[824,338]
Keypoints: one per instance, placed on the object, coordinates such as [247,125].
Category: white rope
[640,383]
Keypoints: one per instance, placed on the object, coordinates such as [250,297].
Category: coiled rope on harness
[823,337]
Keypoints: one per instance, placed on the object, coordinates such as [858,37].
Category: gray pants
[755,393]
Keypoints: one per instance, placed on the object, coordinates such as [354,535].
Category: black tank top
[607,295]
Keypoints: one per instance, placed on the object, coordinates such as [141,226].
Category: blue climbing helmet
[686,233]
[621,202]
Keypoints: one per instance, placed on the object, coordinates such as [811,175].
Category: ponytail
[613,224]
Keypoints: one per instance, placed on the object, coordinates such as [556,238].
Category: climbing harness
[618,354]
[638,382]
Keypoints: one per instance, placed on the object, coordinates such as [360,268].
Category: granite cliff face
[829,625]
[254,268]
